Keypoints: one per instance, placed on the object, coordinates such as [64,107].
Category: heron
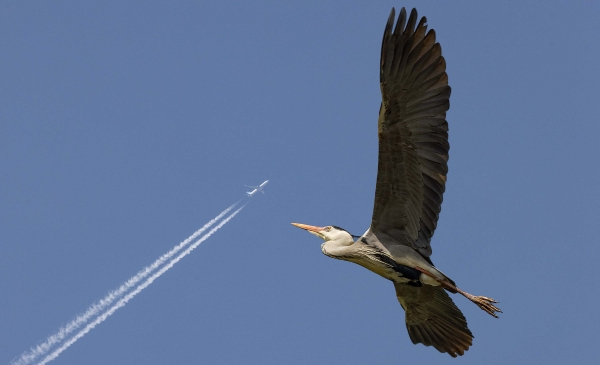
[411,179]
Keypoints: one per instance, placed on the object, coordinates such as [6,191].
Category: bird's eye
[327,229]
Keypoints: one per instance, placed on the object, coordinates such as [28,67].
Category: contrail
[96,308]
[140,287]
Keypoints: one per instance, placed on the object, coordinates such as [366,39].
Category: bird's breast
[386,267]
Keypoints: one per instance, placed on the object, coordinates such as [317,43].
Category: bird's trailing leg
[485,303]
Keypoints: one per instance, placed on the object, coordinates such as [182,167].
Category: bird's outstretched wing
[413,133]
[433,319]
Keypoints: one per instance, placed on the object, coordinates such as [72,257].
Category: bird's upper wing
[433,319]
[413,133]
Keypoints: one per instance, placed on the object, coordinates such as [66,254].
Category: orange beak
[308,228]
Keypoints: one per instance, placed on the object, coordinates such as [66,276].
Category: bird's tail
[433,319]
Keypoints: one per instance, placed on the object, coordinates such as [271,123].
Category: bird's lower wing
[433,319]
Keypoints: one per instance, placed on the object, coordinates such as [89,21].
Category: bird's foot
[485,303]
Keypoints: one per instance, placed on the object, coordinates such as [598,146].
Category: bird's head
[336,239]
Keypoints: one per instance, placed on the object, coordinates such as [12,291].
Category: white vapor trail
[96,308]
[137,290]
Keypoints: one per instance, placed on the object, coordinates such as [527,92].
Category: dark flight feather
[433,319]
[413,133]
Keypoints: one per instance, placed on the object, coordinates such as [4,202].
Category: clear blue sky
[125,126]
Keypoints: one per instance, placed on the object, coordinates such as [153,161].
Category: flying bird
[411,179]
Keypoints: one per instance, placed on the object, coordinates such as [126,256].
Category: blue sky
[124,127]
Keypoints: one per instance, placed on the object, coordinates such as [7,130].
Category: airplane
[257,188]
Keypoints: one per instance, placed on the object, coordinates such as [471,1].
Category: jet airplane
[257,188]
